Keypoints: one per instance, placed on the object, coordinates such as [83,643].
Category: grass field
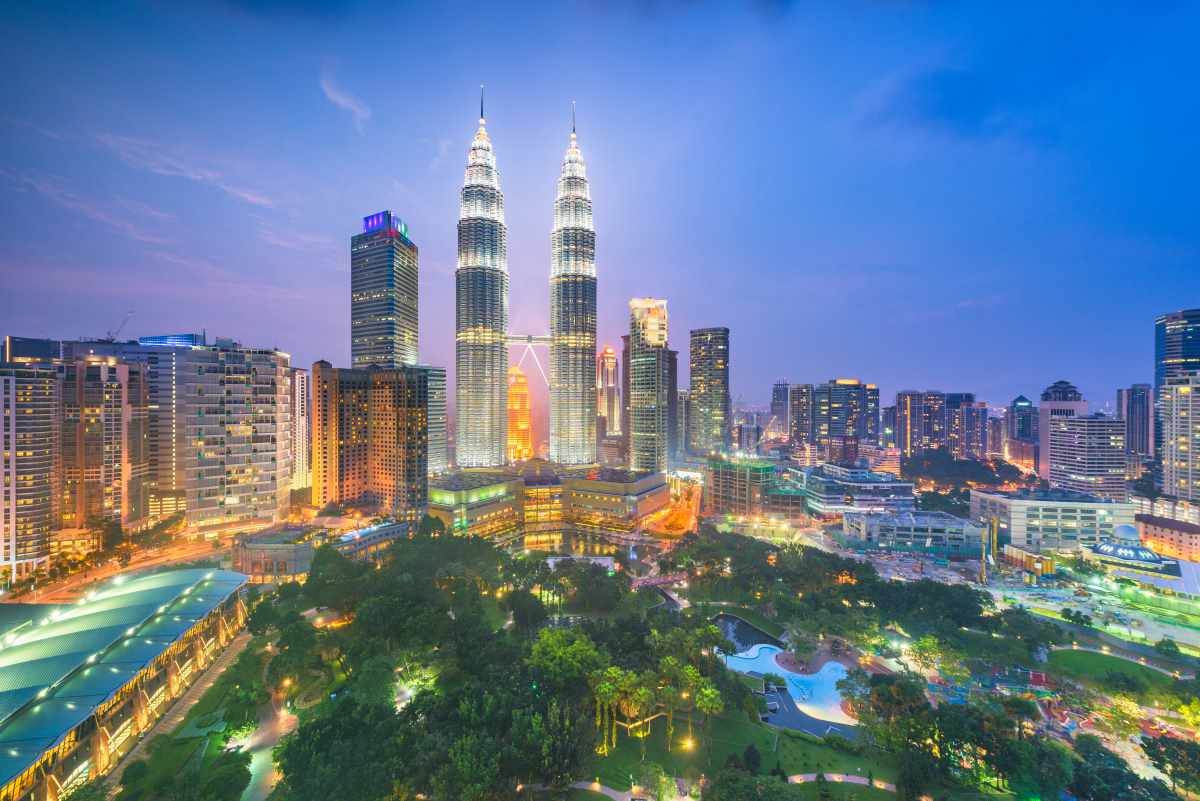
[1089,668]
[746,613]
[730,735]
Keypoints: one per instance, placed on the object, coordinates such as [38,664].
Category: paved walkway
[799,778]
[182,705]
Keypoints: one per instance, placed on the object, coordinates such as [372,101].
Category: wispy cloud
[294,240]
[153,157]
[229,282]
[144,209]
[56,190]
[441,150]
[345,101]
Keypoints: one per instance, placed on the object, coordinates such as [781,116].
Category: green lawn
[730,735]
[1089,668]
[746,613]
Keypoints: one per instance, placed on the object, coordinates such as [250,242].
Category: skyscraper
[781,413]
[608,390]
[1176,351]
[844,407]
[301,430]
[520,431]
[383,293]
[648,384]
[710,421]
[800,399]
[481,311]
[1179,411]
[29,399]
[103,434]
[966,426]
[439,457]
[1135,405]
[1087,454]
[1021,420]
[675,446]
[572,315]
[1060,399]
[369,437]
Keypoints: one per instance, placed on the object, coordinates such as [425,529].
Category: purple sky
[917,194]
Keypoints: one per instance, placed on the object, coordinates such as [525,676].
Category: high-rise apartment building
[780,423]
[29,410]
[608,390]
[103,435]
[966,426]
[711,419]
[236,417]
[481,312]
[683,412]
[369,438]
[675,446]
[383,293]
[800,400]
[1087,454]
[844,407]
[1061,399]
[1176,351]
[1135,405]
[520,429]
[1179,413]
[572,315]
[301,430]
[921,420]
[649,377]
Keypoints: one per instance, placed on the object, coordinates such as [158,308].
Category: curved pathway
[799,778]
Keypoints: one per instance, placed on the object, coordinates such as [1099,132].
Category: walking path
[799,778]
[182,705]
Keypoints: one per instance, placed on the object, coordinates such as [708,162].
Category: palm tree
[691,681]
[709,703]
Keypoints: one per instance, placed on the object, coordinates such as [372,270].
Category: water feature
[743,634]
[816,694]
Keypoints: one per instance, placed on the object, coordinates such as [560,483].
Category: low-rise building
[478,504]
[926,532]
[736,486]
[1166,506]
[1173,538]
[285,554]
[1050,520]
[832,490]
[610,499]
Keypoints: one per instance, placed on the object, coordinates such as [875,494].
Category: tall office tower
[572,315]
[1179,411]
[781,411]
[683,412]
[1087,454]
[1176,351]
[626,421]
[933,419]
[481,312]
[649,370]
[439,457]
[1060,399]
[301,430]
[1135,405]
[608,390]
[369,437]
[887,427]
[800,399]
[383,293]
[967,430]
[675,446]
[29,410]
[711,420]
[103,433]
[236,414]
[844,407]
[520,429]
[1021,420]
[995,437]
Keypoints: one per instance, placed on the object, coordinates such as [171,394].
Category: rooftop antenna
[481,102]
[572,116]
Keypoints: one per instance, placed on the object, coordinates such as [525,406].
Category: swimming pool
[815,695]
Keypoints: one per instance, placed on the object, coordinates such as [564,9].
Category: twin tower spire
[481,312]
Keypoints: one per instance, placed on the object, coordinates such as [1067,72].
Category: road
[67,590]
[274,722]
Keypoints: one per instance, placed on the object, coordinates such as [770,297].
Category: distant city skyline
[197,208]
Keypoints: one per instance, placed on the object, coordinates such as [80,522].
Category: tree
[92,791]
[708,703]
[375,682]
[1167,647]
[348,753]
[752,759]
[564,658]
[527,609]
[1178,759]
[655,782]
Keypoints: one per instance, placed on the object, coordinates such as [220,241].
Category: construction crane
[111,336]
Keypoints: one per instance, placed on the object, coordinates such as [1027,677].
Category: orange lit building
[520,432]
[1166,537]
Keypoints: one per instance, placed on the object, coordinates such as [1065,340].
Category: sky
[918,194]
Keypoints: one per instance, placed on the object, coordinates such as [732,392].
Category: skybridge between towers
[529,341]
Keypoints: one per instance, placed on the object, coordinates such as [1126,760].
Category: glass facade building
[649,379]
[573,316]
[383,293]
[481,312]
[28,438]
[710,419]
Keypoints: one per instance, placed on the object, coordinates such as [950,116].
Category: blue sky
[916,194]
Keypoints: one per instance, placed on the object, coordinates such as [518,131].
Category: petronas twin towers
[481,313]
